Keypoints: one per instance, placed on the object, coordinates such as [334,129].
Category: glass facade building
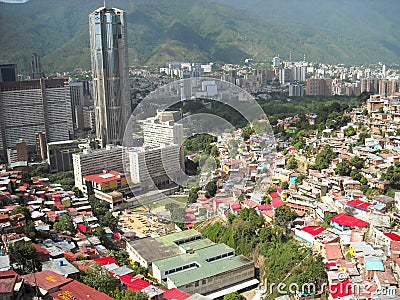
[109,56]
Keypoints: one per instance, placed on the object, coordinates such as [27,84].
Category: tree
[121,256]
[26,178]
[78,193]
[292,163]
[108,220]
[141,296]
[211,188]
[234,296]
[283,216]
[65,225]
[100,280]
[192,198]
[247,132]
[349,131]
[24,254]
[22,210]
[324,158]
[284,185]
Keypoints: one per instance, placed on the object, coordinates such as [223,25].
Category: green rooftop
[170,239]
[209,269]
[204,268]
[197,244]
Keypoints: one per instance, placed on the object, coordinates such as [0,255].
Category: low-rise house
[361,249]
[44,282]
[373,264]
[61,266]
[386,281]
[333,251]
[11,286]
[308,233]
[78,290]
[383,202]
[394,251]
[358,207]
[345,222]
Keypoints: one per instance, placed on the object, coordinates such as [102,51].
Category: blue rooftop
[373,263]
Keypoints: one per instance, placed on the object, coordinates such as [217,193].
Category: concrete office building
[60,155]
[95,161]
[28,107]
[8,73]
[205,270]
[109,56]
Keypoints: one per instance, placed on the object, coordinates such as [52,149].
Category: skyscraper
[109,55]
[36,66]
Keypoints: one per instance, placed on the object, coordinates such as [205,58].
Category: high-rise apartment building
[163,130]
[109,56]
[319,87]
[28,107]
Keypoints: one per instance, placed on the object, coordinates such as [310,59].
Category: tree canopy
[65,225]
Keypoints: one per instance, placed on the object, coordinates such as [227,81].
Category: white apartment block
[155,167]
[162,130]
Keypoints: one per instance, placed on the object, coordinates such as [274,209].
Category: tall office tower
[28,107]
[36,66]
[109,55]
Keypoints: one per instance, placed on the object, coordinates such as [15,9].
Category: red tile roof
[276,202]
[264,207]
[41,250]
[78,290]
[333,251]
[105,261]
[274,195]
[393,236]
[46,280]
[395,246]
[104,177]
[359,204]
[313,230]
[175,294]
[7,281]
[350,221]
[137,285]
[82,228]
[236,206]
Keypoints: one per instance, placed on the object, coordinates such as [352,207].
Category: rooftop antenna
[104,3]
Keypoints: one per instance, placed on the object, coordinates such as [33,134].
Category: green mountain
[203,31]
